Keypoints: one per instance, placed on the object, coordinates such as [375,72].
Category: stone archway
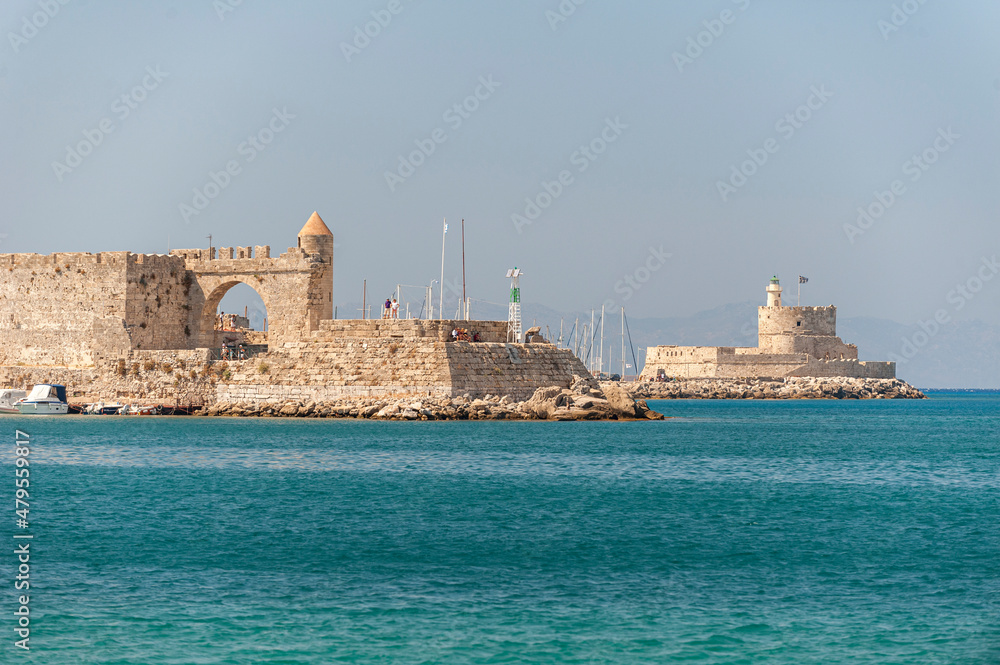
[295,288]
[214,298]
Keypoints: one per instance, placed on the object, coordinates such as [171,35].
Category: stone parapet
[407,329]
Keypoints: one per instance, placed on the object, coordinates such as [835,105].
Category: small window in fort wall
[798,323]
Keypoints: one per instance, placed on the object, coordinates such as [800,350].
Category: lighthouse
[774,293]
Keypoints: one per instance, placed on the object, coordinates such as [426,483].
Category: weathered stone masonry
[115,320]
[791,342]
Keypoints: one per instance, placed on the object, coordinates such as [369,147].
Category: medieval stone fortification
[791,342]
[118,325]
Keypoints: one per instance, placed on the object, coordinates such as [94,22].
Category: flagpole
[444,231]
[798,301]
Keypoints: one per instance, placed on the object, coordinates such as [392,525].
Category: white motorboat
[9,398]
[45,399]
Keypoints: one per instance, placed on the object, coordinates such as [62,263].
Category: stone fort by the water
[119,325]
[791,342]
[125,325]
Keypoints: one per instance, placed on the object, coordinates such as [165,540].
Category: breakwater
[786,388]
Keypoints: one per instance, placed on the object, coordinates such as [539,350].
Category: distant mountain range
[959,355]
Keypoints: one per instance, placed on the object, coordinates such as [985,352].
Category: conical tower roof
[315,227]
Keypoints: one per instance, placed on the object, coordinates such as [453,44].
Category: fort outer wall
[79,310]
[343,359]
[351,358]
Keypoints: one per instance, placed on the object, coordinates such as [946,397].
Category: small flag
[446,227]
[803,280]
[628,366]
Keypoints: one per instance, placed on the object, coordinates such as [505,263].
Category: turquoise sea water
[739,532]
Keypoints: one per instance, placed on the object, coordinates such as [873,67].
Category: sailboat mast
[591,365]
[623,343]
[601,368]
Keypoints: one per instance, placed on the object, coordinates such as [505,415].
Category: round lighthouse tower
[774,293]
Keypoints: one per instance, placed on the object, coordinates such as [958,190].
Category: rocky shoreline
[585,399]
[787,388]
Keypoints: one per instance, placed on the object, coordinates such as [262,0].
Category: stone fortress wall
[141,326]
[792,342]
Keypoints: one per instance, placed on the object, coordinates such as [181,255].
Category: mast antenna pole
[444,233]
[590,363]
[465,303]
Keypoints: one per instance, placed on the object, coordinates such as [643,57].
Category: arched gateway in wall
[296,287]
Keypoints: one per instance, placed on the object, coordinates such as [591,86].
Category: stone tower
[774,293]
[316,240]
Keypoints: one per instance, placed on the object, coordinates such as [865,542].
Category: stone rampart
[118,325]
[63,309]
[82,309]
[736,362]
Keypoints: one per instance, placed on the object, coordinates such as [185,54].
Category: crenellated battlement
[223,253]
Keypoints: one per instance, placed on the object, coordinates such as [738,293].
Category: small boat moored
[45,399]
[9,398]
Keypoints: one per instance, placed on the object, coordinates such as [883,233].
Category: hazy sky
[116,112]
